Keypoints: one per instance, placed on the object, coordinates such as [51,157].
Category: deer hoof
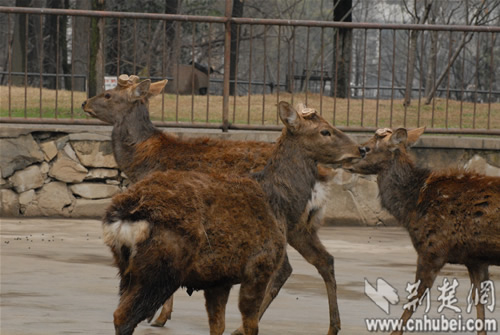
[158,323]
[238,331]
[333,330]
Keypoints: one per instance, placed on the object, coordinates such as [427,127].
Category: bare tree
[433,50]
[96,66]
[19,43]
[342,12]
[171,7]
[80,45]
[236,12]
[5,39]
[55,45]
[480,16]
[412,52]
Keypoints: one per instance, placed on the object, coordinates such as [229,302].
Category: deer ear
[140,90]
[414,135]
[156,88]
[288,115]
[399,136]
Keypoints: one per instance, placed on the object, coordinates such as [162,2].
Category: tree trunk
[19,43]
[96,68]
[430,76]
[50,43]
[34,45]
[5,34]
[237,12]
[465,39]
[171,7]
[357,66]
[80,46]
[342,12]
[412,56]
[63,45]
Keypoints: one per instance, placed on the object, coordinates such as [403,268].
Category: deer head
[322,142]
[111,105]
[382,149]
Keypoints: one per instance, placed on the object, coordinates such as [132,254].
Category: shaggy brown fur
[198,154]
[212,231]
[451,216]
[206,232]
[140,148]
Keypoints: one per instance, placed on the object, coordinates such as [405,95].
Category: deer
[189,79]
[209,231]
[452,216]
[140,148]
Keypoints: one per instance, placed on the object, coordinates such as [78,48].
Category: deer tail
[122,237]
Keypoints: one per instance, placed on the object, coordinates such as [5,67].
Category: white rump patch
[126,233]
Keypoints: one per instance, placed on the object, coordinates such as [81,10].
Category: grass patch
[47,113]
[261,109]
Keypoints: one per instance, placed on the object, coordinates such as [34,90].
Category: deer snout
[87,110]
[363,151]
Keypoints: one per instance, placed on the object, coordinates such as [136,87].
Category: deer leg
[272,290]
[478,273]
[165,314]
[275,285]
[252,293]
[216,300]
[308,244]
[123,314]
[137,303]
[427,271]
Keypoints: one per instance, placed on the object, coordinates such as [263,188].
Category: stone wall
[52,173]
[69,171]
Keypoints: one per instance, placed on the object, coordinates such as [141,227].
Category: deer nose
[84,103]
[363,151]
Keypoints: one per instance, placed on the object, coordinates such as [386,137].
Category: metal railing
[294,60]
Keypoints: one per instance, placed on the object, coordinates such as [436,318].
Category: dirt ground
[57,278]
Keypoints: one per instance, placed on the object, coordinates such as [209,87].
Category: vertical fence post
[227,56]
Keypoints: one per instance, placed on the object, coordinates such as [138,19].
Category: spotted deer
[140,148]
[209,231]
[452,216]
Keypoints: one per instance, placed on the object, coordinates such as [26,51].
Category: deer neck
[288,180]
[135,127]
[400,185]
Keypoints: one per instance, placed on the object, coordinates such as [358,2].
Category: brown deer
[211,231]
[452,216]
[189,79]
[140,148]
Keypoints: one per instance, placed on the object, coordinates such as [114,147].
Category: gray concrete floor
[57,278]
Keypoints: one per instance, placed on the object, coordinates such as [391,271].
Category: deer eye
[107,96]
[325,133]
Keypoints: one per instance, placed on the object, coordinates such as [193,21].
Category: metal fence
[293,60]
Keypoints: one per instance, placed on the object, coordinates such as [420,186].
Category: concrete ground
[57,278]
